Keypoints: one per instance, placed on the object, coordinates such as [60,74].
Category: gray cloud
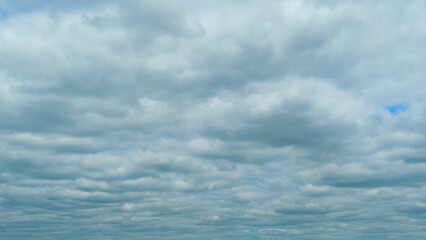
[212,120]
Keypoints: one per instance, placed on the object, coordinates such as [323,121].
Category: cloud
[212,120]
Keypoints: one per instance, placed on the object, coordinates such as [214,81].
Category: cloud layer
[213,120]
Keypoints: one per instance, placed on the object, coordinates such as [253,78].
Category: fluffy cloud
[212,120]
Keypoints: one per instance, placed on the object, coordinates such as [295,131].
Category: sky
[187,119]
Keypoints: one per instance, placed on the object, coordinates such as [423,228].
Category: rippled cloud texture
[212,119]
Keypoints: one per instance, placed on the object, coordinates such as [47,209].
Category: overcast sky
[213,119]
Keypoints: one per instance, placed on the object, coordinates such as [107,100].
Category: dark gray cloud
[212,120]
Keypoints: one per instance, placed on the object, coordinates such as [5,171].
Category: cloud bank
[212,120]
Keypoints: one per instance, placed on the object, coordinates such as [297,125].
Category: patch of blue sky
[4,13]
[10,8]
[397,108]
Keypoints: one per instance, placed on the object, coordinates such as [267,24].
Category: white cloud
[212,120]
